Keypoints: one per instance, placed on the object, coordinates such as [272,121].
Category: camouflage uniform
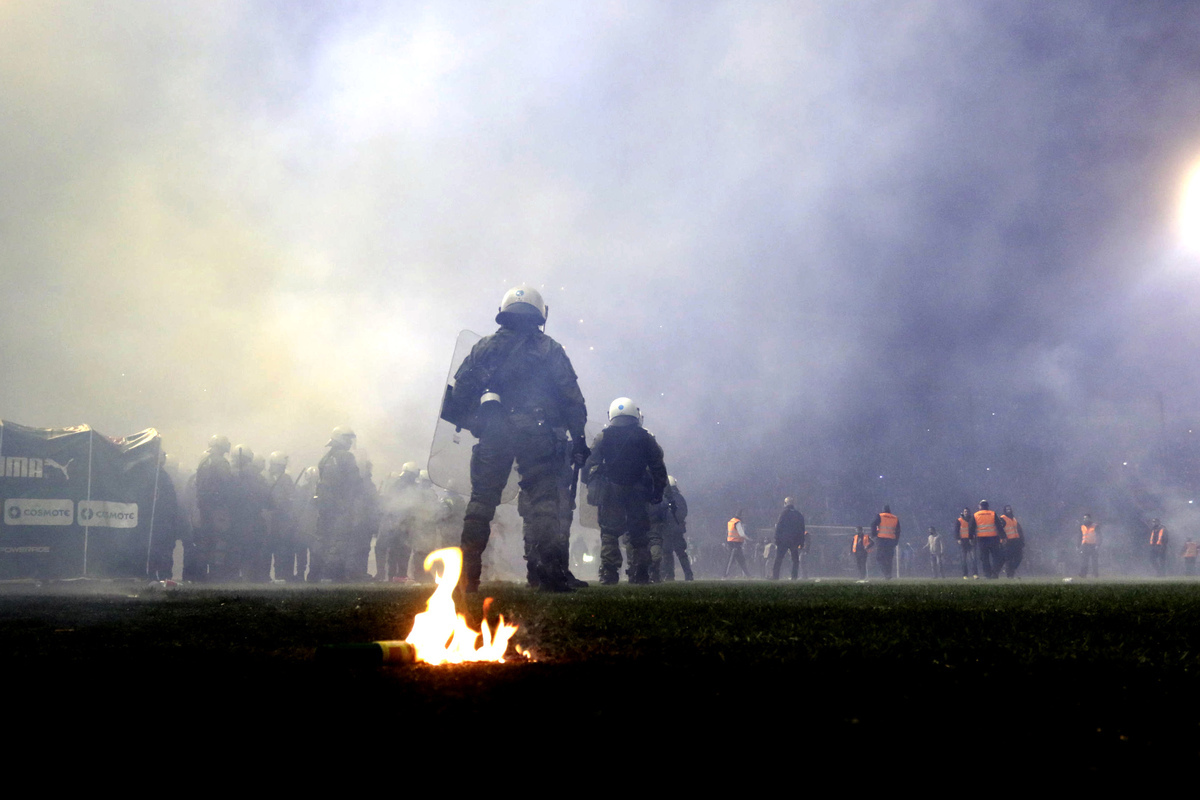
[627,470]
[366,527]
[567,480]
[283,534]
[337,490]
[251,553]
[538,393]
[668,524]
[214,498]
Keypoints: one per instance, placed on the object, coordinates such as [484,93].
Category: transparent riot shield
[450,454]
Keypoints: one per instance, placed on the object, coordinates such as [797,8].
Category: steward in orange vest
[1014,542]
[1089,546]
[1158,547]
[735,536]
[736,533]
[989,532]
[885,530]
[964,528]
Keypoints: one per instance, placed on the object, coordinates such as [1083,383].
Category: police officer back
[514,389]
[624,472]
[338,487]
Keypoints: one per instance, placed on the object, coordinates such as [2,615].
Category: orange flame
[440,634]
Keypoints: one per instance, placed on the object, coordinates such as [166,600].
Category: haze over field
[909,251]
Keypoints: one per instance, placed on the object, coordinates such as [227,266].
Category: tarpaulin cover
[75,502]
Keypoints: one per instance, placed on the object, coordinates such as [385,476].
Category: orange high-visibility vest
[1190,549]
[964,528]
[887,525]
[1156,537]
[985,523]
[734,536]
[858,542]
[1011,528]
[1088,534]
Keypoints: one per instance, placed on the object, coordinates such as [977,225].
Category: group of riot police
[246,516]
[252,520]
[517,392]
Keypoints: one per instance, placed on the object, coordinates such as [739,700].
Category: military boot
[639,575]
[610,559]
[549,569]
[639,565]
[474,540]
[551,579]
[472,569]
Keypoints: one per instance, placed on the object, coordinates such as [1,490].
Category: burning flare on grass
[440,634]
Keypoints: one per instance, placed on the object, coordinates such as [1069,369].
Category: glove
[580,452]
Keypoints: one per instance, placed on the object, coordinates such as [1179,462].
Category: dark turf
[1103,672]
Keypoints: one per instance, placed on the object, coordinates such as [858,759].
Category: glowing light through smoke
[1189,213]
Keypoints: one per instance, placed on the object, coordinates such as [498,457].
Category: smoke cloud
[917,252]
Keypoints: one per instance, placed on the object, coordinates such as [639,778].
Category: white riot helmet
[218,444]
[523,301]
[671,481]
[623,407]
[423,477]
[278,459]
[410,467]
[242,456]
[341,435]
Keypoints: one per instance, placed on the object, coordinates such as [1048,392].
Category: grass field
[1108,669]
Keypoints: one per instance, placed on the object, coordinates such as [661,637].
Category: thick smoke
[917,252]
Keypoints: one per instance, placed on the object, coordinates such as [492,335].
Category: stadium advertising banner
[76,503]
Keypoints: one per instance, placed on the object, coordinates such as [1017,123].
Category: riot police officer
[398,501]
[668,523]
[214,500]
[514,389]
[282,534]
[624,472]
[338,488]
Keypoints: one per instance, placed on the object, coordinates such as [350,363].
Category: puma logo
[49,462]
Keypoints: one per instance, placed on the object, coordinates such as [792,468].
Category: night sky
[910,252]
